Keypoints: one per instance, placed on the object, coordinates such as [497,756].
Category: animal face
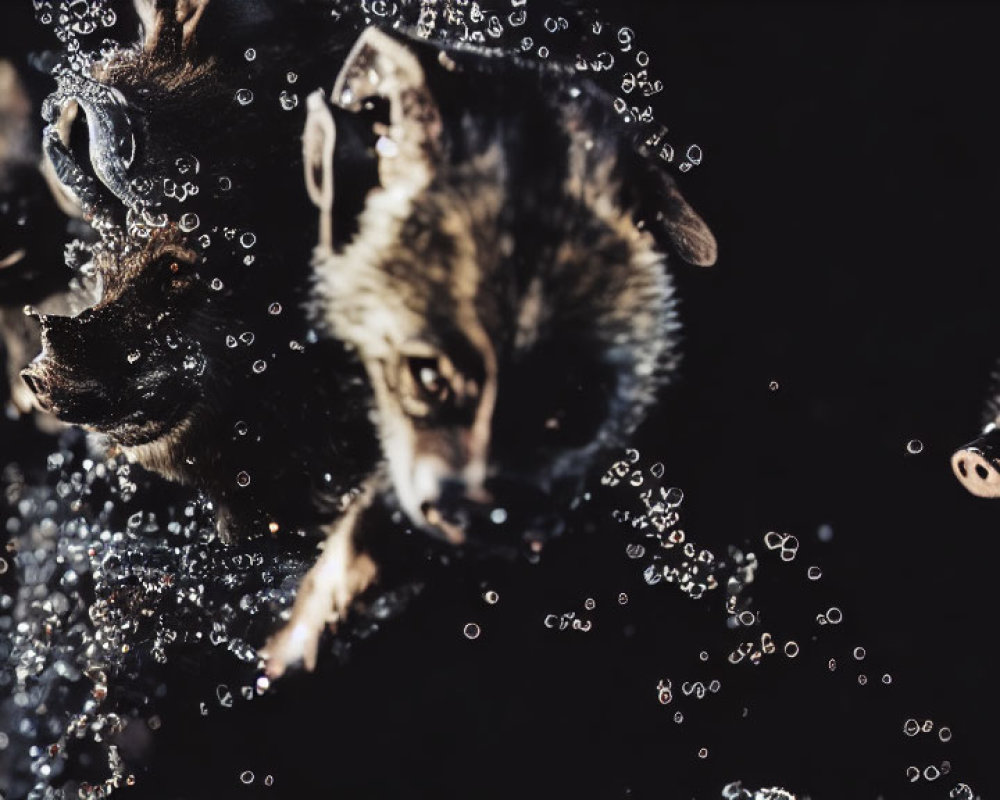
[192,357]
[511,308]
[131,365]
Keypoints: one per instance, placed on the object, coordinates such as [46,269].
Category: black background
[850,175]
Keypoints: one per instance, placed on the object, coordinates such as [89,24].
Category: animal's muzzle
[977,464]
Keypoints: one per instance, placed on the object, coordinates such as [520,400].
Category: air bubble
[911,727]
[274,309]
[291,77]
[773,386]
[944,734]
[814,573]
[269,780]
[622,599]
[491,597]
[791,649]
[243,479]
[246,777]
[859,652]
[248,240]
[774,540]
[703,753]
[244,97]
[834,615]
[288,100]
[862,679]
[216,284]
[914,446]
[189,222]
[250,54]
[247,337]
[703,655]
[590,604]
[498,516]
[887,679]
[471,630]
[259,366]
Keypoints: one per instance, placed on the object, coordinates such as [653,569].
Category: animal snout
[976,473]
[38,381]
[976,465]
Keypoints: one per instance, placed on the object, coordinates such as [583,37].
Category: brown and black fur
[506,290]
[163,364]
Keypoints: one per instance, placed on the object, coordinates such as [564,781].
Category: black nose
[975,465]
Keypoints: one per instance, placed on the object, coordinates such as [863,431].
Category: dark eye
[430,384]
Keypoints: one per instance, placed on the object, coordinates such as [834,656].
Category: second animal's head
[504,282]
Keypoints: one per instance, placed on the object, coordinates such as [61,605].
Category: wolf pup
[505,289]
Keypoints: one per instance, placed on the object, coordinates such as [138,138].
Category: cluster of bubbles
[735,791]
[610,54]
[105,586]
[666,556]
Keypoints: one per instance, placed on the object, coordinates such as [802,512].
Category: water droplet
[471,630]
[244,97]
[133,356]
[498,516]
[241,428]
[773,386]
[288,100]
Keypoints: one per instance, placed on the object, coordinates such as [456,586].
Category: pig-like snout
[977,464]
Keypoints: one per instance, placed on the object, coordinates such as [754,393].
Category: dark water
[849,175]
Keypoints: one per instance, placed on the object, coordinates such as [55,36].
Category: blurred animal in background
[505,286]
[34,222]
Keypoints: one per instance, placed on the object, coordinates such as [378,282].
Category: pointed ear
[382,66]
[673,218]
[168,26]
[318,140]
